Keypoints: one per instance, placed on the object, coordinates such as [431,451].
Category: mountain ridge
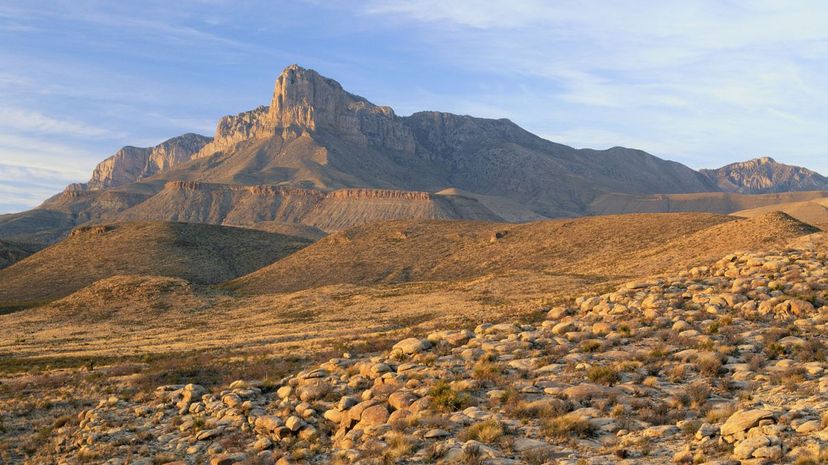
[765,175]
[316,136]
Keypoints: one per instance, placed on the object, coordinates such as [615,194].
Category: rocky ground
[719,364]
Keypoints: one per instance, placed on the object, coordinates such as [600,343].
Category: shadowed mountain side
[290,229]
[11,252]
[404,251]
[199,253]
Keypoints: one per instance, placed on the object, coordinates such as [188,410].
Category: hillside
[404,251]
[701,365]
[198,253]
[712,202]
[810,211]
[11,252]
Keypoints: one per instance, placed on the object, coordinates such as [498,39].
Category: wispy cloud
[19,119]
[702,79]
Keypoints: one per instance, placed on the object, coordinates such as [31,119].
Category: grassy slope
[202,254]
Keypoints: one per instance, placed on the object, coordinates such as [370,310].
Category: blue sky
[700,82]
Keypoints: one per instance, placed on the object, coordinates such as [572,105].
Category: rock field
[720,364]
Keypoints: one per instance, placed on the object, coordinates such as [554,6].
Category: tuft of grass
[567,426]
[446,398]
[603,375]
[485,370]
[486,432]
[709,364]
[398,445]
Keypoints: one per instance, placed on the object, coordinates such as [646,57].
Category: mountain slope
[763,175]
[810,211]
[713,202]
[404,251]
[199,253]
[11,252]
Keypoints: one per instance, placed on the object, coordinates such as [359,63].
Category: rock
[268,423]
[436,433]
[131,164]
[374,415]
[744,449]
[412,345]
[262,444]
[744,420]
[313,391]
[401,399]
[228,459]
[284,392]
[809,427]
[293,423]
[525,444]
[207,434]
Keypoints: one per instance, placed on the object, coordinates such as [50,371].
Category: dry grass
[602,247]
[197,252]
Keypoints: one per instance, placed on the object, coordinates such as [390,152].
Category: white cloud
[702,81]
[19,119]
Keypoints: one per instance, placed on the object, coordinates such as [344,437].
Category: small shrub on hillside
[446,398]
[486,432]
[709,364]
[603,375]
[567,426]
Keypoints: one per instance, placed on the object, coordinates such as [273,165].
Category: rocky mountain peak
[765,175]
[131,164]
[305,101]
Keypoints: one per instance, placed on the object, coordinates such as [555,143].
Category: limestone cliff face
[131,164]
[305,101]
[765,175]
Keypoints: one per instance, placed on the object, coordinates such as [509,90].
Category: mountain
[322,141]
[202,254]
[321,157]
[763,175]
[131,164]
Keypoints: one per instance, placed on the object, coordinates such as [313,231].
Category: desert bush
[398,445]
[538,456]
[567,426]
[812,351]
[697,392]
[485,370]
[603,375]
[709,364]
[486,432]
[446,398]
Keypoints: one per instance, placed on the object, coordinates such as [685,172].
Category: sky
[705,82]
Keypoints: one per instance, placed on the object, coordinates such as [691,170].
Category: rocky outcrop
[303,100]
[764,175]
[131,164]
